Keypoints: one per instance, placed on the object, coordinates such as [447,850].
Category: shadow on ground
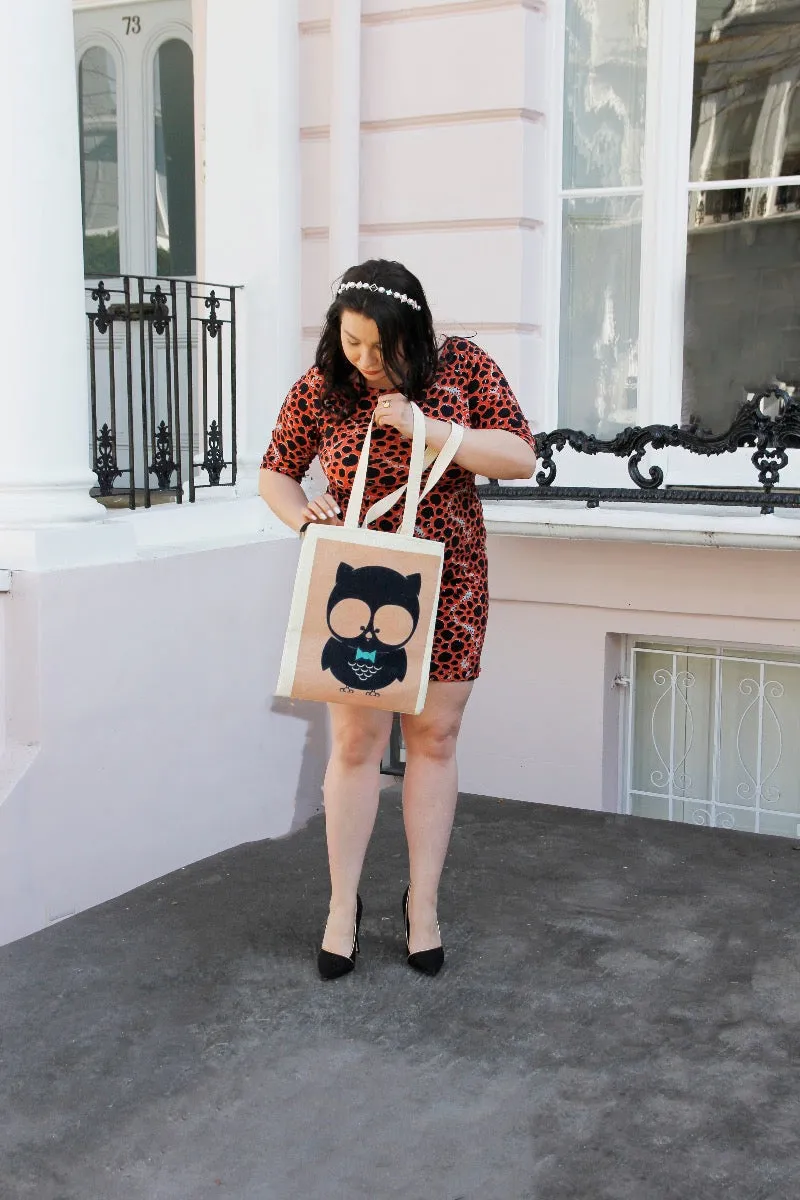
[617,1020]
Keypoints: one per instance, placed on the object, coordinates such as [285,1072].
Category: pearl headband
[373,287]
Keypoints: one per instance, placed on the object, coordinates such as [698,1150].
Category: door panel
[136,113]
[137,116]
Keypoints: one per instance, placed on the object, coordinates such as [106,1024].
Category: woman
[378,352]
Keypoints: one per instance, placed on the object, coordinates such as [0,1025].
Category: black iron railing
[772,437]
[162,379]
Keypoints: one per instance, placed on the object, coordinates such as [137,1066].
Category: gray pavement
[618,1019]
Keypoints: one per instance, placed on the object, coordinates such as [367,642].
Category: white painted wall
[142,732]
[537,727]
[252,201]
[138,660]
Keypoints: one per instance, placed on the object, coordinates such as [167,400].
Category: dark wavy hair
[408,342]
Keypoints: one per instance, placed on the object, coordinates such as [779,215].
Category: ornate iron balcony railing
[162,380]
[772,437]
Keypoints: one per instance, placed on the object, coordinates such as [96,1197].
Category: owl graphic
[372,614]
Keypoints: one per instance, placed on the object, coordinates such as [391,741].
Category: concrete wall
[141,729]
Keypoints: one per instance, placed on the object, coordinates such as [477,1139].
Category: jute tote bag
[364,604]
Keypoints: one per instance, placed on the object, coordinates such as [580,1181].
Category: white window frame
[666,190]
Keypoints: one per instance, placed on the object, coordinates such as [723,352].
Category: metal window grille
[162,387]
[713,737]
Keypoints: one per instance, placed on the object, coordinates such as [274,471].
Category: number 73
[132,25]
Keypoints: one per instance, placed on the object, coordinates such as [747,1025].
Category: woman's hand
[396,411]
[323,509]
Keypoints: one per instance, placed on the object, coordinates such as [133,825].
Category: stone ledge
[698,527]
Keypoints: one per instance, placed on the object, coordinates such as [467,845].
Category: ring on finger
[387,404]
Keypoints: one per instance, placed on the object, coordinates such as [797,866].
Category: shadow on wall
[308,790]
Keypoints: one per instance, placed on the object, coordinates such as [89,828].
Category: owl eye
[349,618]
[393,625]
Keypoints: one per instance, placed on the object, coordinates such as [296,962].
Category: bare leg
[430,790]
[352,783]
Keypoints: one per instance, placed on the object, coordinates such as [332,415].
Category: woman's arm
[495,453]
[291,505]
[293,446]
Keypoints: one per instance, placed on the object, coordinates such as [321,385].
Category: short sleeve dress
[468,388]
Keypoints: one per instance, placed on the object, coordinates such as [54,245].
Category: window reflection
[743,277]
[604,93]
[175,160]
[97,99]
[746,116]
[598,376]
[741,329]
[787,198]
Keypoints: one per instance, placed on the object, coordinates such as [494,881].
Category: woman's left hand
[393,409]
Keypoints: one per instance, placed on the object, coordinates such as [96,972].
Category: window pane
[598,377]
[791,148]
[97,98]
[604,92]
[174,148]
[742,324]
[745,121]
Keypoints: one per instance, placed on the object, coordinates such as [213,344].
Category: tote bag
[364,605]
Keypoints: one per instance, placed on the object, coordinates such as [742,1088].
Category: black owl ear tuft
[413,584]
[344,574]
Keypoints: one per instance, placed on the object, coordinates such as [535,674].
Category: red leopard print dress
[468,388]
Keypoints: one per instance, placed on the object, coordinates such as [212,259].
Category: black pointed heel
[429,962]
[333,966]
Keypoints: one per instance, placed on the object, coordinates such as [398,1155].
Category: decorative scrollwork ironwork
[105,463]
[771,437]
[103,317]
[164,465]
[213,324]
[213,461]
[161,307]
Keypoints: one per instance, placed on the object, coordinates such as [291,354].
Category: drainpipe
[345,136]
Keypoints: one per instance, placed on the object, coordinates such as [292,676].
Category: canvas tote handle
[442,461]
[414,486]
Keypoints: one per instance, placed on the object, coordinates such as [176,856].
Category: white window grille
[713,737]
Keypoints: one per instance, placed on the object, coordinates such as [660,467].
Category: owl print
[373,613]
[469,388]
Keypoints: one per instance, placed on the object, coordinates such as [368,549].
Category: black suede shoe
[429,962]
[332,966]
